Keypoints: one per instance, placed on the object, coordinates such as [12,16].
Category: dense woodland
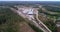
[53,9]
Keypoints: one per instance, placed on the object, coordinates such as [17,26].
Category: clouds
[29,0]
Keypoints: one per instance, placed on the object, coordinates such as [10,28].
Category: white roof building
[26,10]
[30,11]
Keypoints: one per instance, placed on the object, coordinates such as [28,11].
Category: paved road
[38,23]
[43,26]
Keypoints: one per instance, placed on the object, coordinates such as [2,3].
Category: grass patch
[35,28]
[51,25]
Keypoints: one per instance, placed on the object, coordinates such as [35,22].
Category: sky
[29,0]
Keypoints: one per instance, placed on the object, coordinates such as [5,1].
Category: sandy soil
[24,27]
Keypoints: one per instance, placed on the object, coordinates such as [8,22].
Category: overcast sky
[29,0]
